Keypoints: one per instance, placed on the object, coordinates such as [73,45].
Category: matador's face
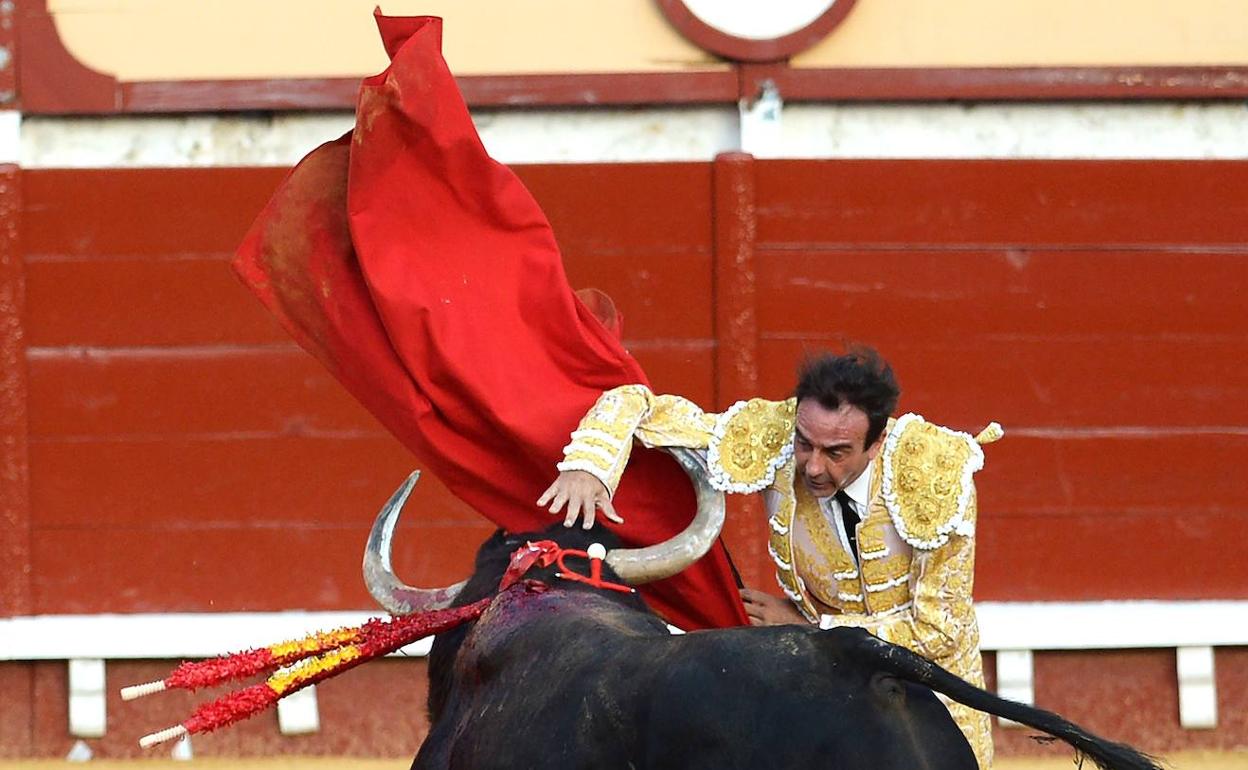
[829,446]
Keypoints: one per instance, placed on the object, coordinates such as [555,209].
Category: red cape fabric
[425,277]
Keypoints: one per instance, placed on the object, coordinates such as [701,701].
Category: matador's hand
[767,610]
[584,495]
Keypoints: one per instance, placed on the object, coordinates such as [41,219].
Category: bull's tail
[910,667]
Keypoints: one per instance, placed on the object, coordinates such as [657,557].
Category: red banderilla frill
[291,666]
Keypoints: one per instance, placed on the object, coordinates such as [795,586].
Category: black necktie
[850,517]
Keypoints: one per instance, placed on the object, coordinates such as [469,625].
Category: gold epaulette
[927,485]
[750,441]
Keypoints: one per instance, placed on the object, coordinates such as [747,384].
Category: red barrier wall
[183,455]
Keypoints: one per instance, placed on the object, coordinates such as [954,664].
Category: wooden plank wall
[1093,308]
[184,455]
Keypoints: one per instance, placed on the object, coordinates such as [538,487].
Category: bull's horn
[662,560]
[391,593]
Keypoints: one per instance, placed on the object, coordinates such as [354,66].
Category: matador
[888,546]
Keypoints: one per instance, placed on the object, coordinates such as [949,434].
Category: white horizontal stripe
[612,134]
[173,635]
[1003,626]
[527,136]
[1034,130]
[1111,625]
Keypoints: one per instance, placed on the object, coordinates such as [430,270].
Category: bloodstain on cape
[425,277]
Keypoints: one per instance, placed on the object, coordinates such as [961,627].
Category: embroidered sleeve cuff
[601,444]
[592,468]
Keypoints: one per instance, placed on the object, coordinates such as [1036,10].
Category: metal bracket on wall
[761,123]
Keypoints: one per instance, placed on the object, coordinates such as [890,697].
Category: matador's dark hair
[860,377]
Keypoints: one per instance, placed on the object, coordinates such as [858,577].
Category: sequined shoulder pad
[750,441]
[927,480]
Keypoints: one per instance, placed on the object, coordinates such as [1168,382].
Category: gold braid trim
[750,442]
[780,545]
[830,570]
[927,484]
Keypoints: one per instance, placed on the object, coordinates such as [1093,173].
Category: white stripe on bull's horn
[391,593]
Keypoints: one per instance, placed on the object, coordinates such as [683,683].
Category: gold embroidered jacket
[916,541]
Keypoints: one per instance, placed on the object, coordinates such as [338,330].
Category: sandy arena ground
[1184,761]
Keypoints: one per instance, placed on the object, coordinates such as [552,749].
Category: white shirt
[858,491]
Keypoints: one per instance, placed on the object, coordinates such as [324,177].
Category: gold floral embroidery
[927,479]
[750,442]
[833,576]
[885,575]
[779,545]
[603,441]
[884,570]
[871,538]
[890,598]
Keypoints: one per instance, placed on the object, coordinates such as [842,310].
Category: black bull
[575,677]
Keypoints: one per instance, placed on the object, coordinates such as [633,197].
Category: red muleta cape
[425,277]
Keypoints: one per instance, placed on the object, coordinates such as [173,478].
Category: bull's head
[634,565]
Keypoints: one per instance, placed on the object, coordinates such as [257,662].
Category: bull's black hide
[574,677]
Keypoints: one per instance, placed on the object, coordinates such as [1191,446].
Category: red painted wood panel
[1132,696]
[154,391]
[166,213]
[1063,381]
[1064,475]
[613,208]
[621,209]
[15,596]
[237,568]
[875,203]
[130,302]
[17,710]
[1091,307]
[88,261]
[237,392]
[198,301]
[157,388]
[1005,293]
[1164,555]
[177,483]
[175,429]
